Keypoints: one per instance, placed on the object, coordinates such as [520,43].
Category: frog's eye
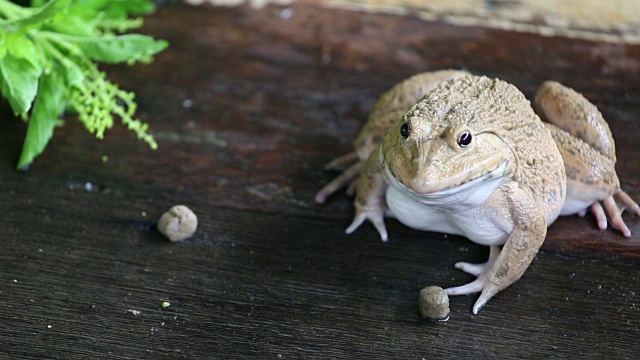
[405,131]
[464,139]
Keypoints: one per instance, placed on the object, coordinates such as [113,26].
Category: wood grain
[247,106]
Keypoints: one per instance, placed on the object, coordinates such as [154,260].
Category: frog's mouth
[451,189]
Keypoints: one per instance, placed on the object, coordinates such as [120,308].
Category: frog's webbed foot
[612,209]
[481,284]
[505,266]
[375,215]
[347,177]
[370,200]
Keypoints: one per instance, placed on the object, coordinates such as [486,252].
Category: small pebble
[434,303]
[179,223]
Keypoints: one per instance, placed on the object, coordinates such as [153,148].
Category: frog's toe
[627,202]
[615,216]
[342,180]
[470,288]
[598,212]
[479,269]
[382,229]
[610,212]
[351,189]
[375,216]
[473,269]
[488,291]
[481,284]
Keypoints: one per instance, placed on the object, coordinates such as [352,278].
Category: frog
[452,152]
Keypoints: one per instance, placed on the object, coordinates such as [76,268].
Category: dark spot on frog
[503,271]
[608,178]
[570,151]
[377,139]
[572,173]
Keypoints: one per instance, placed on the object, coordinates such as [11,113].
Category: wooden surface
[247,106]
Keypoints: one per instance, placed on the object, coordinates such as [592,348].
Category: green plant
[48,55]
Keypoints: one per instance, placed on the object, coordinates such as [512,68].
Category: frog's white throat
[472,193]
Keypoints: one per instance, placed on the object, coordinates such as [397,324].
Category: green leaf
[3,45]
[117,49]
[123,8]
[48,55]
[38,15]
[48,106]
[138,7]
[75,25]
[91,18]
[23,48]
[18,82]
[82,18]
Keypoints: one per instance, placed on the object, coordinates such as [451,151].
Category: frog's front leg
[506,266]
[370,200]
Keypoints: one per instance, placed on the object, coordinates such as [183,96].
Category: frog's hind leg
[350,165]
[346,177]
[588,151]
[342,162]
[573,113]
[592,183]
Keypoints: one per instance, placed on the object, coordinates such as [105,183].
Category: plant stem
[10,10]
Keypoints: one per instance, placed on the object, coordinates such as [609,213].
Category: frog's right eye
[464,140]
[405,131]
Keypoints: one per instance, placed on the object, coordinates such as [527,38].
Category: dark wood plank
[247,106]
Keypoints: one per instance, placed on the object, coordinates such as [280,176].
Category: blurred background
[613,20]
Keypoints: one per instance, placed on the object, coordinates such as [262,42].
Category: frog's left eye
[405,131]
[465,138]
